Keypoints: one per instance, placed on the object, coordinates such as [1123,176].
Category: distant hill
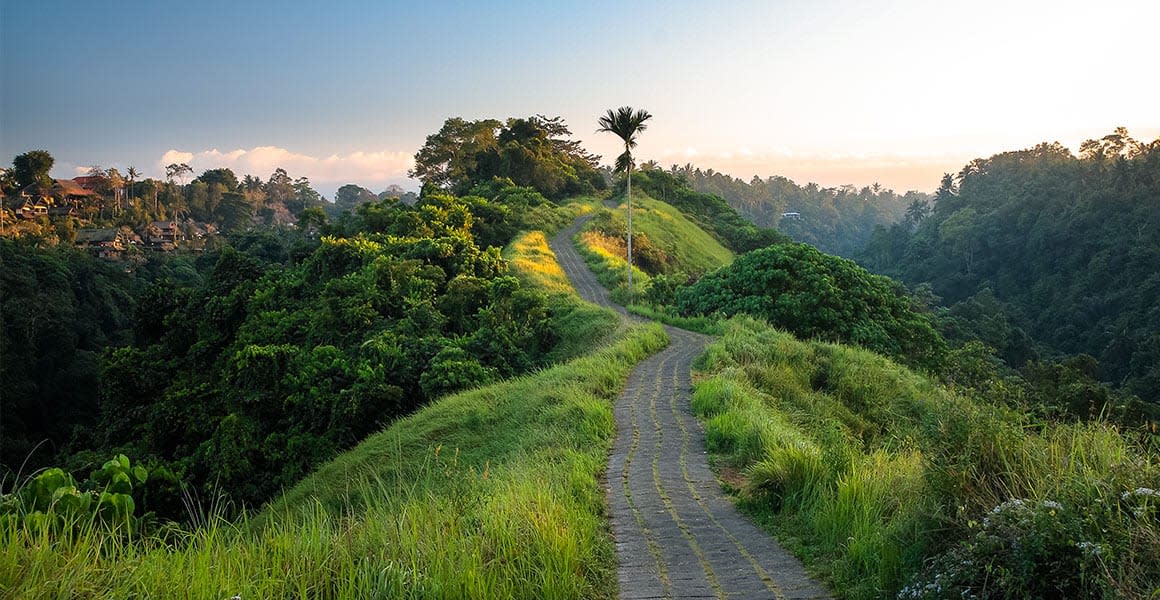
[835,220]
[1068,246]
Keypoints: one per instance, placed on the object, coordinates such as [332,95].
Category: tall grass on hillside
[491,493]
[534,262]
[550,218]
[665,241]
[580,327]
[891,486]
[669,241]
[608,264]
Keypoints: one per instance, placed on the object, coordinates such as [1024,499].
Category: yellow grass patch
[535,262]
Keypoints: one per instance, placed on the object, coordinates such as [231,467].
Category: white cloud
[173,157]
[362,168]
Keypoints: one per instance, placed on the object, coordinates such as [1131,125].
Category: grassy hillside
[665,241]
[889,484]
[490,493]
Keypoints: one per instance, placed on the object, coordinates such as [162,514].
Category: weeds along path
[677,535]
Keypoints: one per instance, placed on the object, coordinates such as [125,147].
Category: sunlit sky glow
[894,92]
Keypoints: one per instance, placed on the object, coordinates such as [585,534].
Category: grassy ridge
[689,248]
[887,483]
[663,233]
[491,493]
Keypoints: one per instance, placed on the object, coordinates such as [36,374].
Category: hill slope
[893,485]
[1069,246]
[665,242]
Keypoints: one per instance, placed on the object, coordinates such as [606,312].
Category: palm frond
[623,162]
[625,123]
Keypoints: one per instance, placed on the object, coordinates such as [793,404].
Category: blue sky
[896,92]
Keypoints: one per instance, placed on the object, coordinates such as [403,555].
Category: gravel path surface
[677,535]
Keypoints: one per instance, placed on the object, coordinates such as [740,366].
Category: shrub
[814,295]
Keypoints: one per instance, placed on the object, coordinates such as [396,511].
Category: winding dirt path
[677,535]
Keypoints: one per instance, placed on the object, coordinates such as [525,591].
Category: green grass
[549,218]
[492,493]
[700,324]
[675,243]
[880,478]
[535,264]
[580,327]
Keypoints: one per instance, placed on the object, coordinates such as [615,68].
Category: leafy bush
[814,295]
[53,499]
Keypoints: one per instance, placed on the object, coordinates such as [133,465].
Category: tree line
[836,220]
[1040,253]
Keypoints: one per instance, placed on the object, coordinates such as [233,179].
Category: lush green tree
[533,152]
[32,167]
[223,176]
[279,188]
[350,196]
[448,158]
[627,124]
[815,295]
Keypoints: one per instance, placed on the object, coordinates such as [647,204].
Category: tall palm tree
[133,175]
[626,124]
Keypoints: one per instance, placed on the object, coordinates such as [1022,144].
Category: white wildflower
[1052,504]
[1089,548]
[1012,503]
[1140,491]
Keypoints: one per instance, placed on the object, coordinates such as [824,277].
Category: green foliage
[1067,247]
[814,295]
[894,485]
[451,370]
[54,499]
[286,353]
[59,308]
[32,167]
[532,152]
[493,493]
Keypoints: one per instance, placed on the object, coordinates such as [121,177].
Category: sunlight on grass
[535,263]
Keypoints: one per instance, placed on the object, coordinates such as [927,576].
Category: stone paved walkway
[677,535]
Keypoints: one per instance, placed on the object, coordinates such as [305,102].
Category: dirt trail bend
[677,535]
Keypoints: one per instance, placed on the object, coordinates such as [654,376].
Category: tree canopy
[32,167]
[814,295]
[1067,247]
[533,152]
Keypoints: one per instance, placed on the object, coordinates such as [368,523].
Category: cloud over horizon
[360,168]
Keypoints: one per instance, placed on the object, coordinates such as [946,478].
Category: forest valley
[230,369]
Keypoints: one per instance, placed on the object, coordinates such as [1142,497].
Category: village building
[72,192]
[102,243]
[163,235]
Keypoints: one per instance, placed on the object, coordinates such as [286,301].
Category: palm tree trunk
[628,192]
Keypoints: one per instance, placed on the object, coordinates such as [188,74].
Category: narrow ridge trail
[677,535]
